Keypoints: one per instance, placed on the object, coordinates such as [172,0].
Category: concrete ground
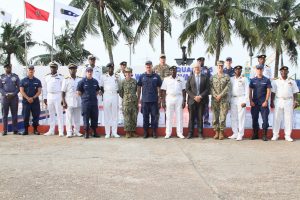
[38,167]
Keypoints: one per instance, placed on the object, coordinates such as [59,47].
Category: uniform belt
[285,98]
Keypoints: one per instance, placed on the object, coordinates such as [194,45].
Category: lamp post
[130,42]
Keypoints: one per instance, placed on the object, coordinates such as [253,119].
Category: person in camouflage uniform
[220,86]
[162,69]
[128,92]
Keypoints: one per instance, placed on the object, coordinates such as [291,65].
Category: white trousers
[110,105]
[174,105]
[100,102]
[283,108]
[73,120]
[237,114]
[121,116]
[54,107]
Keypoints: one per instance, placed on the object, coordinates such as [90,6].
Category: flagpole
[25,25]
[52,31]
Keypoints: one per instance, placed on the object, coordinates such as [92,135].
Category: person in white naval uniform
[109,83]
[52,99]
[238,99]
[72,102]
[121,75]
[173,101]
[285,92]
[97,74]
[268,72]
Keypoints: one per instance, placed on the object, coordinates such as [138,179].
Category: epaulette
[276,78]
[67,77]
[48,74]
[79,77]
[60,74]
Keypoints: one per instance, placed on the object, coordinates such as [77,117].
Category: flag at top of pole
[66,12]
[35,13]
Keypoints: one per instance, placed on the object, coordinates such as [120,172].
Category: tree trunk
[162,32]
[110,53]
[8,58]
[277,54]
[218,49]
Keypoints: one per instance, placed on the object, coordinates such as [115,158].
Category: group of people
[160,86]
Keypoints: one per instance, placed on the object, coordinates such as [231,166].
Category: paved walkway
[38,167]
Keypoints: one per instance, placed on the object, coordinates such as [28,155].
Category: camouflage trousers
[130,117]
[219,110]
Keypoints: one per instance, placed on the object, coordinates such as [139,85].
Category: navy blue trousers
[264,111]
[150,108]
[90,114]
[35,110]
[12,105]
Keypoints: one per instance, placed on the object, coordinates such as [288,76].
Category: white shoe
[60,134]
[78,134]
[239,138]
[116,135]
[289,139]
[167,137]
[181,136]
[68,136]
[234,136]
[107,136]
[274,138]
[48,134]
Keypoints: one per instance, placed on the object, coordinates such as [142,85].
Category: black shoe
[145,134]
[94,134]
[17,133]
[35,131]
[190,136]
[86,135]
[4,133]
[154,134]
[264,136]
[25,132]
[255,135]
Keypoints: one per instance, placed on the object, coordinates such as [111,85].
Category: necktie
[198,84]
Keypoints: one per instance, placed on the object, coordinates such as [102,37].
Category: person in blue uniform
[30,88]
[228,69]
[206,72]
[259,94]
[88,88]
[150,83]
[9,89]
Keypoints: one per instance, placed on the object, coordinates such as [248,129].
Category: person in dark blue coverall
[150,83]
[9,88]
[30,88]
[259,94]
[88,88]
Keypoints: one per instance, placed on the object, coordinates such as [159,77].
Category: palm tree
[67,50]
[216,21]
[101,16]
[12,41]
[282,29]
[155,16]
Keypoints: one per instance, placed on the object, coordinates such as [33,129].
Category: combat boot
[264,135]
[127,135]
[145,133]
[216,135]
[255,134]
[25,132]
[95,133]
[154,134]
[221,135]
[35,131]
[133,134]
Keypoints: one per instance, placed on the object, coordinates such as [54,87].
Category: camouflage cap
[220,62]
[128,69]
